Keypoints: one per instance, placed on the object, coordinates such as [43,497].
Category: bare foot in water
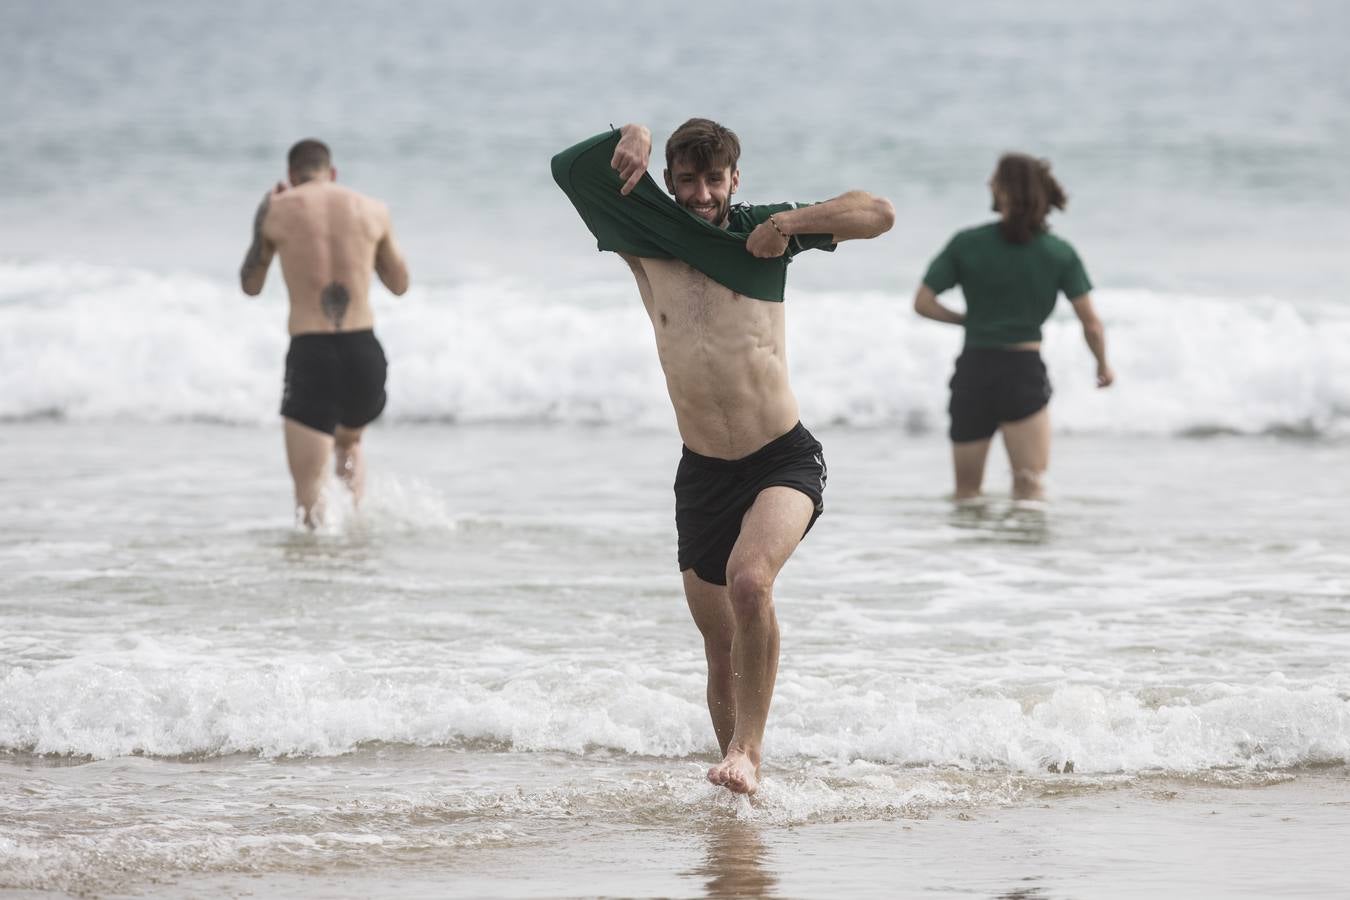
[737,772]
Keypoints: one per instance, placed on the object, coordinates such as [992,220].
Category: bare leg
[351,461]
[772,529]
[1028,444]
[710,605]
[307,453]
[968,460]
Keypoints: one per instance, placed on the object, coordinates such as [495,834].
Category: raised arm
[389,262]
[1094,332]
[632,155]
[927,304]
[253,272]
[856,215]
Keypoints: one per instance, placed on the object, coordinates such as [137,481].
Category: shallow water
[496,646]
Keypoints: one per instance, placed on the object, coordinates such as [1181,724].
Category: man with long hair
[1011,272]
[751,478]
[329,238]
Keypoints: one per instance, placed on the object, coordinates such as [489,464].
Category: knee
[751,593]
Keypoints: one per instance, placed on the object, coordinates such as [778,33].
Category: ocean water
[492,657]
[487,654]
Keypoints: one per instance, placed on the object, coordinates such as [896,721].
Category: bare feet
[737,772]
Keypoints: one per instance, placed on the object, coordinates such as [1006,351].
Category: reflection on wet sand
[735,863]
[739,862]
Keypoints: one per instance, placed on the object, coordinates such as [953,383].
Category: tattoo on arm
[253,259]
[334,300]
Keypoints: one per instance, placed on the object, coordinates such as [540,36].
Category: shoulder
[377,206]
[745,216]
[356,196]
[974,235]
[373,208]
[1057,246]
[988,231]
[739,215]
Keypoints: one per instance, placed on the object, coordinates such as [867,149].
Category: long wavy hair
[1024,184]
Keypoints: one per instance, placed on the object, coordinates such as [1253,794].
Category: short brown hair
[1031,192]
[309,155]
[705,145]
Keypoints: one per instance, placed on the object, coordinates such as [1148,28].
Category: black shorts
[713,495]
[992,386]
[334,379]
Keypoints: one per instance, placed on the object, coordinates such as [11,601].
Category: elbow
[924,301]
[250,288]
[396,282]
[883,211]
[873,216]
[560,165]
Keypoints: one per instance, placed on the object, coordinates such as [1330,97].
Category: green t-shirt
[649,223]
[1010,288]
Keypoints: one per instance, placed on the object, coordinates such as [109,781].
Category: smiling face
[701,170]
[706,193]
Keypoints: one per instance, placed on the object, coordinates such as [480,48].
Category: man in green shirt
[1011,272]
[751,478]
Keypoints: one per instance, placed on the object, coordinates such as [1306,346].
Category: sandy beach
[1168,838]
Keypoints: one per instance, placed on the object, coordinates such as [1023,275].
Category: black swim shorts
[334,379]
[991,386]
[713,495]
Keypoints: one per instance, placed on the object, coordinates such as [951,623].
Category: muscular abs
[724,358]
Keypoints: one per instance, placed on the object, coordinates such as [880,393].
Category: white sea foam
[164,700]
[90,343]
[390,505]
[376,825]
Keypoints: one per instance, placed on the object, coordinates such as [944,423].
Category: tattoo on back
[334,300]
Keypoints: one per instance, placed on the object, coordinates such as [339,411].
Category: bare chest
[685,301]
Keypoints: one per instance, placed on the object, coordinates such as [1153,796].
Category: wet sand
[1164,839]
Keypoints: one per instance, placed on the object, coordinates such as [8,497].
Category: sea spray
[86,343]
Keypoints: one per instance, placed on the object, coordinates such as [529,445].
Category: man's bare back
[329,238]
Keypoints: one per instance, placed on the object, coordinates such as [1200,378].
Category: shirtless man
[751,478]
[329,238]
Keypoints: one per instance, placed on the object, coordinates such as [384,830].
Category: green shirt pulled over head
[649,223]
[1010,289]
